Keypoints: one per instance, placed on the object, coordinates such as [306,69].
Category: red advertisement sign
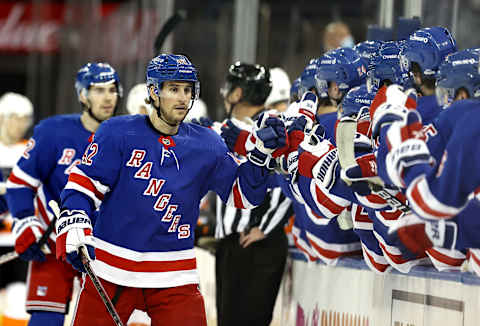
[25,27]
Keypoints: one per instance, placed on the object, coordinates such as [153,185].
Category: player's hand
[296,137]
[406,147]
[358,176]
[254,235]
[414,235]
[74,229]
[390,104]
[317,158]
[234,137]
[269,134]
[306,107]
[27,232]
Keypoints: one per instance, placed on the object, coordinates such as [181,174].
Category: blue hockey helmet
[389,65]
[356,103]
[172,67]
[295,90]
[94,73]
[428,47]
[367,50]
[459,70]
[307,78]
[342,66]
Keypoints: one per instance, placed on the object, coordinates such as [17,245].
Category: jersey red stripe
[444,258]
[13,178]
[379,267]
[237,197]
[85,183]
[324,201]
[418,199]
[145,266]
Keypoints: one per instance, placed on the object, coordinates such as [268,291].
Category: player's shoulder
[123,124]
[61,119]
[59,123]
[465,117]
[464,106]
[201,133]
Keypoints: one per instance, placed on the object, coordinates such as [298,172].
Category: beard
[170,117]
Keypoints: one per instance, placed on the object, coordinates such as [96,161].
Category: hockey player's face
[102,100]
[175,99]
[334,92]
[16,126]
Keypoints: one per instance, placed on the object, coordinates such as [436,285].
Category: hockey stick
[167,28]
[345,135]
[9,256]
[93,277]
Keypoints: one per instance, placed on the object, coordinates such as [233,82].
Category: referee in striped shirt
[252,248]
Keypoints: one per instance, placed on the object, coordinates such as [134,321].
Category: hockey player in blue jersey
[146,175]
[57,145]
[437,189]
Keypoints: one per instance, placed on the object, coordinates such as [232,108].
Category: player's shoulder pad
[202,133]
[58,123]
[206,138]
[468,122]
[122,125]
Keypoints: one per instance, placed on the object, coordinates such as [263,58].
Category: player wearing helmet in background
[16,117]
[146,176]
[280,93]
[422,53]
[57,145]
[367,50]
[136,99]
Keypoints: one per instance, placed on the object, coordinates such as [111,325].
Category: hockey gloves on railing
[414,235]
[268,135]
[74,229]
[299,120]
[401,146]
[28,231]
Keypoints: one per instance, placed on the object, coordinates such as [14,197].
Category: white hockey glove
[74,229]
[390,104]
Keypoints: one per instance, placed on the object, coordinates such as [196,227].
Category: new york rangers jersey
[328,121]
[442,191]
[56,146]
[147,187]
[428,108]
